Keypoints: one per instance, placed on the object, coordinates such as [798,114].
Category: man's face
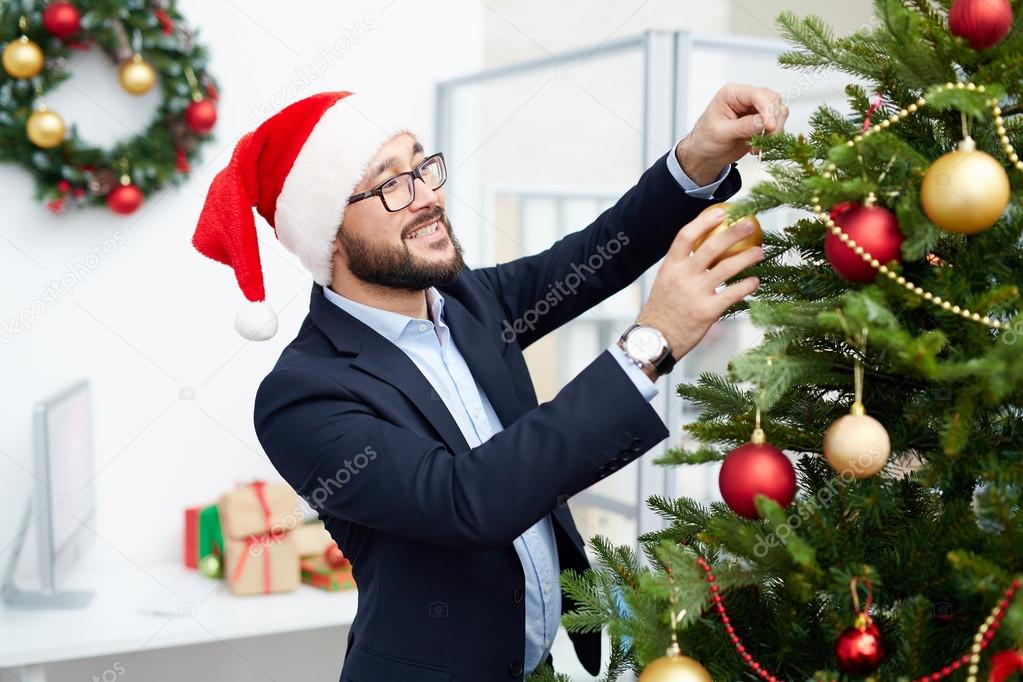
[387,248]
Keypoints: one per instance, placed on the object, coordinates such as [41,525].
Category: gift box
[261,564]
[311,539]
[203,535]
[258,507]
[318,573]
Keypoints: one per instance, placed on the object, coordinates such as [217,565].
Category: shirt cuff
[647,388]
[690,187]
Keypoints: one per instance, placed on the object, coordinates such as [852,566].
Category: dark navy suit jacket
[428,523]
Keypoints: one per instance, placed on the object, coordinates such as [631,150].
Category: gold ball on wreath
[22,58]
[857,445]
[674,668]
[45,128]
[136,75]
[965,191]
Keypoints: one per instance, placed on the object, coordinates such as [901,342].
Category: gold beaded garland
[829,171]
[898,279]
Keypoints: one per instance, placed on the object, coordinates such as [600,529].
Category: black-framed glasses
[399,191]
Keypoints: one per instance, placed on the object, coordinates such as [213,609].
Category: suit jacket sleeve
[406,484]
[639,228]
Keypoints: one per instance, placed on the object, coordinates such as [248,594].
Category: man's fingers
[733,265]
[746,127]
[746,99]
[691,232]
[717,244]
[731,295]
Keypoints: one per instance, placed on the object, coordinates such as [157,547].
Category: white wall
[150,321]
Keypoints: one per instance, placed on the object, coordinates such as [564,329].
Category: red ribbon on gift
[263,540]
[260,488]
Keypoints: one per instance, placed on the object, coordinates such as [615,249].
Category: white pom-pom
[256,321]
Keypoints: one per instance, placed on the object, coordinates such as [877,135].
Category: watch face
[644,344]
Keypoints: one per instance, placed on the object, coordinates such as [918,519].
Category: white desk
[189,609]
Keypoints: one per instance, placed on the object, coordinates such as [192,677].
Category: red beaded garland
[952,667]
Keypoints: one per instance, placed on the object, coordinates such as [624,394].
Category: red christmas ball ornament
[756,468]
[872,227]
[1004,664]
[983,23]
[125,198]
[201,116]
[859,649]
[334,557]
[62,19]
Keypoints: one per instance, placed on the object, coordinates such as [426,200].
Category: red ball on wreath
[62,19]
[859,649]
[201,116]
[874,228]
[125,198]
[983,23]
[756,468]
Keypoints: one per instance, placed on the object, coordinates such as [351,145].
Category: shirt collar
[388,324]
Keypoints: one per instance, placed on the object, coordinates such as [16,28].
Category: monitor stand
[15,597]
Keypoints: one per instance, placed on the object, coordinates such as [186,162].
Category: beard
[396,267]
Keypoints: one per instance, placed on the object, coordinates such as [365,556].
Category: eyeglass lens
[398,193]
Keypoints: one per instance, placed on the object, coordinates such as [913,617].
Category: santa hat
[297,169]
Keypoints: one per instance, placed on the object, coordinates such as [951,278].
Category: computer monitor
[63,502]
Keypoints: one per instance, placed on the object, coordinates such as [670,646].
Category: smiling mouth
[424,230]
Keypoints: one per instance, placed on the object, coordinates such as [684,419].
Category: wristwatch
[647,347]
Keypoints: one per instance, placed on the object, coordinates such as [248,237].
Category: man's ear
[335,246]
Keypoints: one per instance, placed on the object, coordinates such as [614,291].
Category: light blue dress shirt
[429,345]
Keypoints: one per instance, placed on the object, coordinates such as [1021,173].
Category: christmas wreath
[152,47]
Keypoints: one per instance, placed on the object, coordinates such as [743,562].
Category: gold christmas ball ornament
[22,58]
[45,128]
[857,445]
[674,668]
[965,191]
[136,75]
[755,239]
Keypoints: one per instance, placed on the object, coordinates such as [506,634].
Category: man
[403,410]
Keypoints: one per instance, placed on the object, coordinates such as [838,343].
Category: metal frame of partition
[667,59]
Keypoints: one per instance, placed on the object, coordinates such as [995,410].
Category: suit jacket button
[517,595]
[515,668]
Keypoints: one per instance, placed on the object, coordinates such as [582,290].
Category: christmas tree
[890,371]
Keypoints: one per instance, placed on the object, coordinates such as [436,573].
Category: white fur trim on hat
[330,164]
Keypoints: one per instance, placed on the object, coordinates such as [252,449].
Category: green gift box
[318,573]
[203,538]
